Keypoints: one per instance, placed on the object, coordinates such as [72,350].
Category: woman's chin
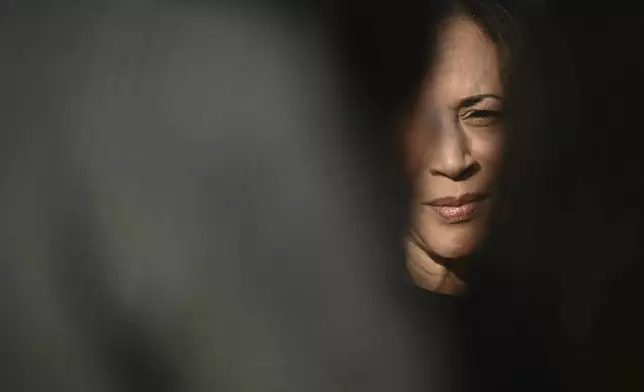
[452,249]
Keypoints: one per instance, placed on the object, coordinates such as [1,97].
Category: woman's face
[456,140]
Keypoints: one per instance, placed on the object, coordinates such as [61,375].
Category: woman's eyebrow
[474,99]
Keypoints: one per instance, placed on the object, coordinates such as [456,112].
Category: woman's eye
[481,118]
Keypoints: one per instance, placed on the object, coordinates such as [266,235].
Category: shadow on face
[454,145]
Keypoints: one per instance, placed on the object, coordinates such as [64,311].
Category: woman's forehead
[466,61]
[462,31]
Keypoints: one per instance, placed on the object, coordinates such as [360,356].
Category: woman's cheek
[416,145]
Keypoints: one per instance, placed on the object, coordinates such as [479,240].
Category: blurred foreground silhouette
[184,208]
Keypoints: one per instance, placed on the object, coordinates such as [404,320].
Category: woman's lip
[457,209]
[456,213]
[457,201]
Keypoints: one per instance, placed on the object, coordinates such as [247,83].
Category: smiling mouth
[457,209]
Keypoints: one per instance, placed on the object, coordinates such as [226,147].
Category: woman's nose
[451,157]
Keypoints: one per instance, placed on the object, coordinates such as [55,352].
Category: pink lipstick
[457,209]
